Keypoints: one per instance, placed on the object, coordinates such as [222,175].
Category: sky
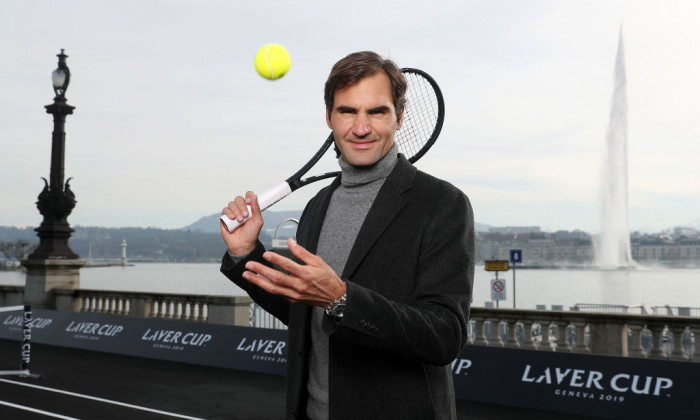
[172,121]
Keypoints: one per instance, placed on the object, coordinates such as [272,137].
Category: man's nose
[361,127]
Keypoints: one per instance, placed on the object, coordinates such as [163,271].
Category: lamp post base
[43,276]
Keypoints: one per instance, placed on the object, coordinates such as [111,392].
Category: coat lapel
[386,206]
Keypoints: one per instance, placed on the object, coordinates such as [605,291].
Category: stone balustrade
[617,334]
[225,310]
[628,335]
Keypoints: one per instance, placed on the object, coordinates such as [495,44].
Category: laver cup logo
[460,366]
[93,330]
[591,384]
[18,321]
[175,339]
[263,349]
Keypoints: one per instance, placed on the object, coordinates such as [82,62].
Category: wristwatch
[336,308]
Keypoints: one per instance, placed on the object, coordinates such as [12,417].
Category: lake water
[647,286]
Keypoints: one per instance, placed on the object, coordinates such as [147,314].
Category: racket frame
[272,195]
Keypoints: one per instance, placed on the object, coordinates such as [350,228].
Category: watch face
[336,307]
[336,310]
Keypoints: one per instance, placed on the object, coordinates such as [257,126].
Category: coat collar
[386,206]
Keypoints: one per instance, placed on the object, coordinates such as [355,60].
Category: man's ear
[328,122]
[399,123]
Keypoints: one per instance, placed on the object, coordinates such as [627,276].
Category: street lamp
[61,77]
[56,200]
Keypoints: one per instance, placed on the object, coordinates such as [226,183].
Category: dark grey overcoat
[409,288]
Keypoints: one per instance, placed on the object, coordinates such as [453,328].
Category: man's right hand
[242,240]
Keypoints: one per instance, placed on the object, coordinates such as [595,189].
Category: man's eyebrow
[379,109]
[375,110]
[345,108]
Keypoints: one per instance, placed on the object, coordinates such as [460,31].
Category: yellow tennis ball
[272,61]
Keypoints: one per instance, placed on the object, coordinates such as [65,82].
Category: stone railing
[629,335]
[225,310]
[618,334]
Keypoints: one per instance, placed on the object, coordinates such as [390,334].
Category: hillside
[272,220]
[198,242]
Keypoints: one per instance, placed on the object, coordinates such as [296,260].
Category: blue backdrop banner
[252,349]
[592,385]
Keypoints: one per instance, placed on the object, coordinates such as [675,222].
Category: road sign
[498,289]
[496,265]
[516,256]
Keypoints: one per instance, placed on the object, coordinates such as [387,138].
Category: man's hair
[356,66]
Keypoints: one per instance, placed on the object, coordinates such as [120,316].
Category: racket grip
[265,200]
[232,224]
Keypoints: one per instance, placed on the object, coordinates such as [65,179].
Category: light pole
[56,200]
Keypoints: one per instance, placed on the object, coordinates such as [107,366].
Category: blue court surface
[82,384]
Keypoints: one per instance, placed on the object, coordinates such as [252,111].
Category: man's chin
[360,160]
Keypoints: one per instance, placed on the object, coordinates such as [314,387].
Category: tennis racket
[423,115]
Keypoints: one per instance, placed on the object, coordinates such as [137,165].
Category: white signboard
[498,289]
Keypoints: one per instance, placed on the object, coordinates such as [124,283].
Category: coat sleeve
[428,323]
[273,304]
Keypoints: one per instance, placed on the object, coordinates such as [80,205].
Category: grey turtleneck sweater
[347,210]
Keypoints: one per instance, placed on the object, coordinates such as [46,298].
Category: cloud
[171,120]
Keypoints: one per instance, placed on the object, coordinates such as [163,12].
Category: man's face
[363,120]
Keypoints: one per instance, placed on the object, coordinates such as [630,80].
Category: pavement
[94,385]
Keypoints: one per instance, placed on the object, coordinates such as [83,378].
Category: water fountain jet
[614,249]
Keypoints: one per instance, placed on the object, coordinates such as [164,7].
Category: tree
[19,249]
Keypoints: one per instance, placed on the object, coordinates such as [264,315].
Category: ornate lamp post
[56,200]
[54,265]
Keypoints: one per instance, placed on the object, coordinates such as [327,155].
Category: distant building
[515,229]
[680,247]
[538,248]
[686,231]
[689,249]
[10,264]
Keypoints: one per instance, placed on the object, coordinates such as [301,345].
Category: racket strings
[420,115]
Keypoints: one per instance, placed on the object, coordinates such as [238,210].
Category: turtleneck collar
[359,175]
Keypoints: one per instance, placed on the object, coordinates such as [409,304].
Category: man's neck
[357,175]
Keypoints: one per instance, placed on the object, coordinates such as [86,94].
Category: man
[377,301]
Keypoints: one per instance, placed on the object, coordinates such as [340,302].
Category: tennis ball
[272,61]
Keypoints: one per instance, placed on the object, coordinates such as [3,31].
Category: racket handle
[265,200]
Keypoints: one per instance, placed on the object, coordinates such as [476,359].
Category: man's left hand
[312,284]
